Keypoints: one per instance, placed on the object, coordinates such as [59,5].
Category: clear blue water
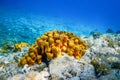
[25,20]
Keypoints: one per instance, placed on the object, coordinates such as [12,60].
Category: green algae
[100,68]
[115,65]
[6,48]
[111,43]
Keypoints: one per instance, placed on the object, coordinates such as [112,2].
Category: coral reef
[54,45]
[19,46]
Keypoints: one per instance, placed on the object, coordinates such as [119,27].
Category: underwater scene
[59,40]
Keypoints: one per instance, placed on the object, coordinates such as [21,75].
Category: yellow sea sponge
[63,49]
[58,43]
[76,41]
[30,61]
[26,55]
[71,44]
[39,59]
[50,34]
[51,40]
[54,49]
[49,55]
[33,49]
[55,31]
[22,61]
[70,51]
[44,37]
[54,45]
[56,36]
[33,56]
[58,55]
[19,46]
[77,57]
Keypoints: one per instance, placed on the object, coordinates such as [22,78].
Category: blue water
[25,20]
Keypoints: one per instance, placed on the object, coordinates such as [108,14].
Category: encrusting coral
[54,45]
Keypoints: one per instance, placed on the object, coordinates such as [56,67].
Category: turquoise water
[25,20]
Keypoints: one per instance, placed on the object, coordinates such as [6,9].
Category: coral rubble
[54,45]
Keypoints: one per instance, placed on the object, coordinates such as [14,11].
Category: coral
[54,45]
[19,46]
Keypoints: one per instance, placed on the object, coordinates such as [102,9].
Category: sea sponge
[19,46]
[49,55]
[54,45]
[22,61]
[33,56]
[39,59]
[29,61]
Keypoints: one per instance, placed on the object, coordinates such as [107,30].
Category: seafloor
[100,62]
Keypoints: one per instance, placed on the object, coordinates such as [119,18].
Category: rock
[68,67]
[38,67]
[117,49]
[75,78]
[32,75]
[90,41]
[19,77]
[45,75]
[115,75]
[108,51]
[113,59]
[26,68]
[1,67]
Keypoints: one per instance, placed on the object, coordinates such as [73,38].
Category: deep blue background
[98,12]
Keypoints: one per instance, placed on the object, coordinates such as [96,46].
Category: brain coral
[54,45]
